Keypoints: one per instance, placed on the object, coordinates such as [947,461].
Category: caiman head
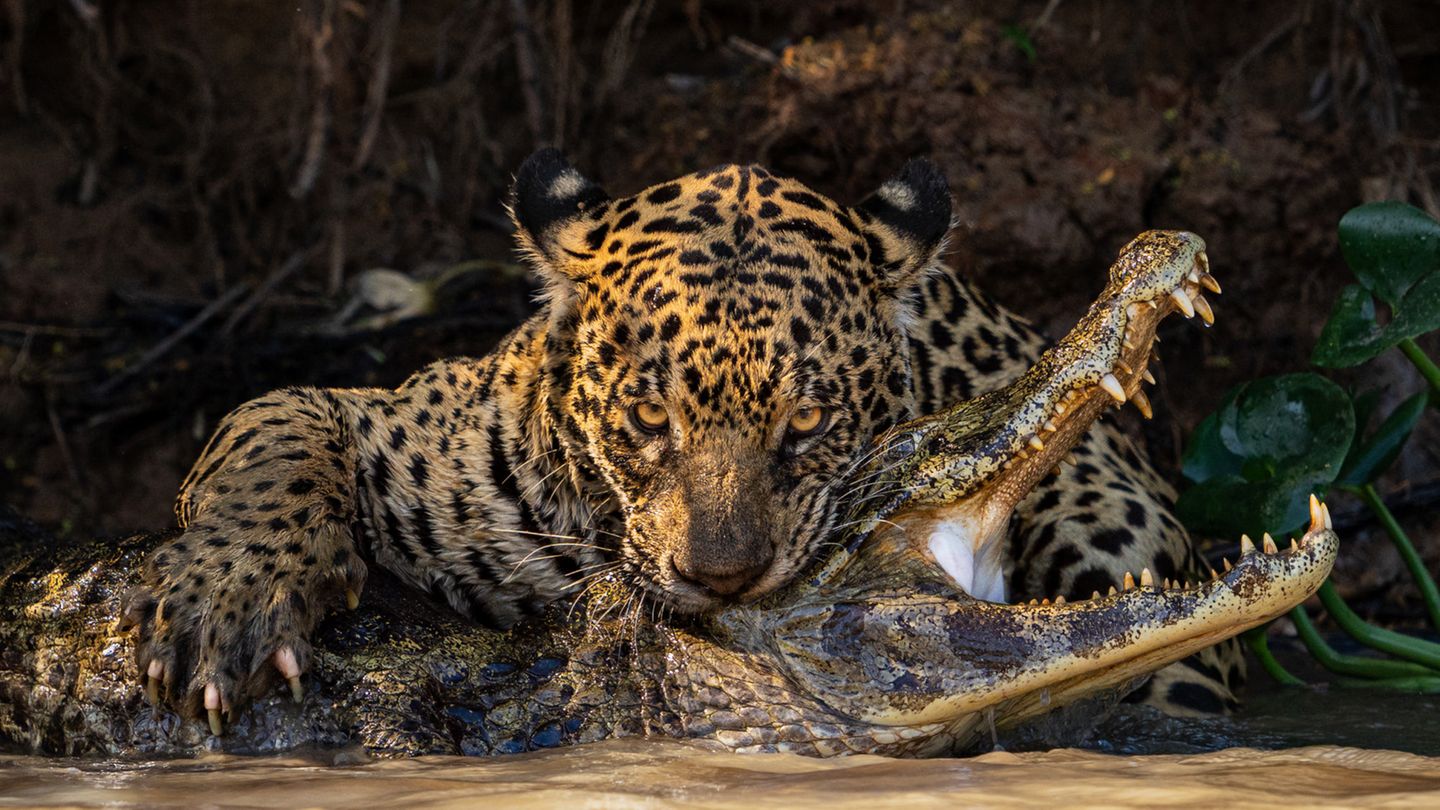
[909,627]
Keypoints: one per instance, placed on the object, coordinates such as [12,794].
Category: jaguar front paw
[222,617]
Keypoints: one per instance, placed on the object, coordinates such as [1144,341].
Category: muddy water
[642,774]
[1325,750]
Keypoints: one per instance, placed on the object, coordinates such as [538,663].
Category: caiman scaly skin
[875,650]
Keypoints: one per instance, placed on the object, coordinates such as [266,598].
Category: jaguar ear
[549,199]
[908,217]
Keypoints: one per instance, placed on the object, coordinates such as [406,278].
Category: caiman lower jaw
[984,456]
[1062,651]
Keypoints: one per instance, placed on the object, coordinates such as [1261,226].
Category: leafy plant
[1275,441]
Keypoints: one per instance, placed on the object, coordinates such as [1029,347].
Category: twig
[379,87]
[1044,18]
[163,347]
[528,67]
[321,31]
[1279,33]
[62,443]
[745,47]
[281,273]
[53,331]
[15,55]
[88,14]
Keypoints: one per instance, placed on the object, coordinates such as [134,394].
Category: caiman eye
[810,420]
[650,417]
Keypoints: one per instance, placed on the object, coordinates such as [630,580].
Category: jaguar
[709,364]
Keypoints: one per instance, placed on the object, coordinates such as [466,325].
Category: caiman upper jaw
[961,472]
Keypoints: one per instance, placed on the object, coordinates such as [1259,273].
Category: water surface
[1290,747]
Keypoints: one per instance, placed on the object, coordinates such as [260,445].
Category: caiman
[878,649]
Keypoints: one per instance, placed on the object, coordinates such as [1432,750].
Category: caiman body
[879,649]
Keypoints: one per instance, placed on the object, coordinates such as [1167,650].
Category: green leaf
[1020,39]
[1390,246]
[1256,460]
[1353,335]
[1206,456]
[1394,251]
[1375,455]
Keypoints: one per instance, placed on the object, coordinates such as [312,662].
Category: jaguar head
[724,347]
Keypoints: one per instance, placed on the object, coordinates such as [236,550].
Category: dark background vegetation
[191,191]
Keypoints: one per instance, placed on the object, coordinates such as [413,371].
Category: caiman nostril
[726,583]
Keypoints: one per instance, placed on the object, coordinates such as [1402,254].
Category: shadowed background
[199,201]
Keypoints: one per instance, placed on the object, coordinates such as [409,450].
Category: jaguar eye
[809,421]
[650,417]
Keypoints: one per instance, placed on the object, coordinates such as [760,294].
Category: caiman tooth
[1228,566]
[1165,584]
[1208,282]
[1059,600]
[1050,426]
[1045,601]
[1113,387]
[1247,546]
[1129,582]
[1071,459]
[1036,443]
[1293,545]
[1317,518]
[1112,589]
[1146,580]
[1127,343]
[1182,303]
[1268,543]
[1147,376]
[1142,404]
[1124,366]
[1325,510]
[1206,313]
[1035,602]
[1214,575]
[1095,595]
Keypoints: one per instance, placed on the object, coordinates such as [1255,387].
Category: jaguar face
[735,341]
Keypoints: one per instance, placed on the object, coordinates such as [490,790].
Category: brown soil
[160,157]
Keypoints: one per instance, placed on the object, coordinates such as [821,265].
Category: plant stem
[1423,581]
[1424,684]
[1258,644]
[1426,366]
[1397,644]
[1356,665]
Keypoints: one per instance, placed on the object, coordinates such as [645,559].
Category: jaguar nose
[720,582]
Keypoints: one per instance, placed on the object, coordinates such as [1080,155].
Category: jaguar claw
[289,667]
[212,709]
[154,677]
